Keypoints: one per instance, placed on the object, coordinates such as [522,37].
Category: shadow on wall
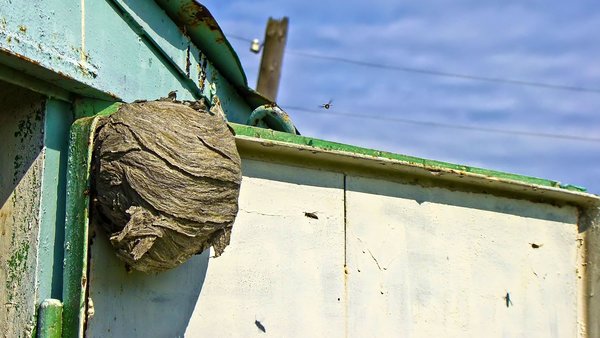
[21,165]
[21,130]
[135,304]
[464,199]
[409,188]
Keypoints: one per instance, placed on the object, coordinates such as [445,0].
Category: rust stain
[113,95]
[198,15]
[202,72]
[188,62]
[37,63]
[201,78]
[64,75]
[5,213]
[19,56]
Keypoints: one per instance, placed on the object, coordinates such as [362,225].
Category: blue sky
[541,41]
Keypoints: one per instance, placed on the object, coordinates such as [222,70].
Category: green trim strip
[267,134]
[76,225]
[50,319]
[81,142]
[58,118]
[91,107]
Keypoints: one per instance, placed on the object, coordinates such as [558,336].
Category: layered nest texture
[166,179]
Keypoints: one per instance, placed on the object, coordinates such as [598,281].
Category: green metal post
[75,278]
[50,319]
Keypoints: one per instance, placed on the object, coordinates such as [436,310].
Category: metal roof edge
[271,139]
[197,22]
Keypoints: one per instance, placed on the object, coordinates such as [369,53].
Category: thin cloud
[535,40]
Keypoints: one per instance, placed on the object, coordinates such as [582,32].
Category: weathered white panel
[429,262]
[283,270]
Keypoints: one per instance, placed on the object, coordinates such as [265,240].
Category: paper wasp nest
[166,180]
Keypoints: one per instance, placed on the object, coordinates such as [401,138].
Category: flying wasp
[327,105]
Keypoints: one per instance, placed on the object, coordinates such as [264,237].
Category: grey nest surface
[166,179]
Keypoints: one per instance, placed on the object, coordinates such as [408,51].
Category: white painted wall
[282,269]
[421,262]
[429,262]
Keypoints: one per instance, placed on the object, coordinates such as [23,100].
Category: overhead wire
[240,38]
[445,125]
[445,74]
[433,72]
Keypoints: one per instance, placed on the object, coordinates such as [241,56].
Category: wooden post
[272,58]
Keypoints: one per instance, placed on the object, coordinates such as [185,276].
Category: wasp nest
[166,178]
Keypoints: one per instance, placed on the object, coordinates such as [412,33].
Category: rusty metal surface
[197,22]
[124,50]
[21,162]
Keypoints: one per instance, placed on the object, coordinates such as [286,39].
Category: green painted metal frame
[145,32]
[18,78]
[58,118]
[50,317]
[205,32]
[77,220]
[267,134]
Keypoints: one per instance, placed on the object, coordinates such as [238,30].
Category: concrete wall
[380,259]
[21,165]
[33,156]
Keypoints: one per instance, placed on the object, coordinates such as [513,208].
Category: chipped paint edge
[208,35]
[21,79]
